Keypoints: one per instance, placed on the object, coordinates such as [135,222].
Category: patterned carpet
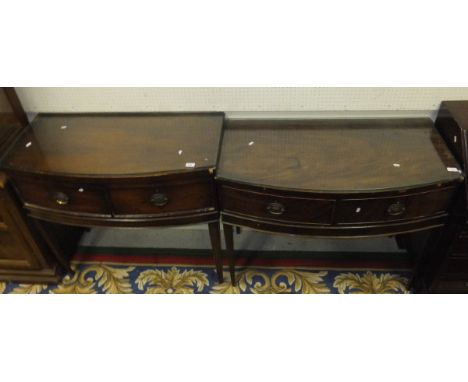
[117,274]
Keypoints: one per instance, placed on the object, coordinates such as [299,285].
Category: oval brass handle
[396,209]
[61,198]
[159,199]
[275,208]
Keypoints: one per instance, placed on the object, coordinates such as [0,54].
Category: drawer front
[162,198]
[374,210]
[275,207]
[13,253]
[63,196]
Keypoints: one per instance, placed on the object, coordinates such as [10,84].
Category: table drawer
[161,198]
[452,134]
[410,206]
[63,196]
[3,225]
[275,207]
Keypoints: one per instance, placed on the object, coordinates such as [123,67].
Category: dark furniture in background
[24,255]
[118,170]
[335,178]
[446,267]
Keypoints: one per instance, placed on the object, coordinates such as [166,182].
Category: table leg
[229,238]
[215,237]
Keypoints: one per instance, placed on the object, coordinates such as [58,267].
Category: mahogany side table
[341,178]
[118,170]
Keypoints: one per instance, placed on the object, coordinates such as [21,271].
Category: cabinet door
[17,249]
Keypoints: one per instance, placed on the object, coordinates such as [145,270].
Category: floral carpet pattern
[90,278]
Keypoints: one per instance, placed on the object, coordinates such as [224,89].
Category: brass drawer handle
[159,199]
[275,208]
[61,198]
[396,209]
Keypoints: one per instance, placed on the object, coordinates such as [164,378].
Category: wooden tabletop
[341,155]
[3,180]
[117,144]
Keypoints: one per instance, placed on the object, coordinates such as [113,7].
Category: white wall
[244,101]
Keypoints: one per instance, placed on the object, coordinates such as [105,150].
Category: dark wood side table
[118,170]
[334,178]
[446,269]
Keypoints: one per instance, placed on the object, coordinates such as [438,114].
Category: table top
[9,123]
[117,144]
[336,155]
